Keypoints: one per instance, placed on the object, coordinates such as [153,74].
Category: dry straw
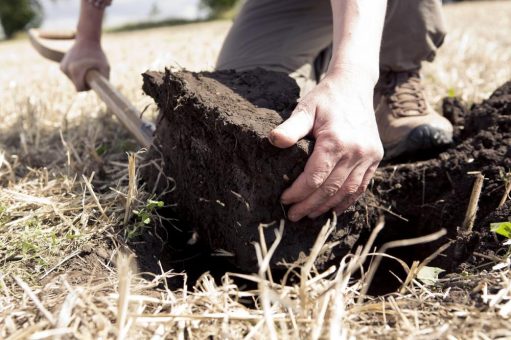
[68,190]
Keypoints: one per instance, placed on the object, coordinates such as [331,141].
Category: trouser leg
[280,35]
[295,36]
[413,31]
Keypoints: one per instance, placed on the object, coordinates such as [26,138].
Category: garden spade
[53,46]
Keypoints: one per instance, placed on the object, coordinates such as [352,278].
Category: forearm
[358,26]
[90,23]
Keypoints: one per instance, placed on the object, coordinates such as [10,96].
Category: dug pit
[213,160]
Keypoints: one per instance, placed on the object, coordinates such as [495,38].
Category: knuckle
[303,107]
[330,190]
[359,152]
[350,189]
[362,188]
[337,145]
[331,143]
[315,179]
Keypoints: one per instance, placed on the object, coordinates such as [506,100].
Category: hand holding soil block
[212,140]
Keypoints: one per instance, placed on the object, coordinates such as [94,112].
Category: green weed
[143,218]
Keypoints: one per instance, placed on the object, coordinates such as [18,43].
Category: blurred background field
[50,136]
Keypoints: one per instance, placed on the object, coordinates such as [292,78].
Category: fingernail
[284,199]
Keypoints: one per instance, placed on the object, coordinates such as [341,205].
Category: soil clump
[211,139]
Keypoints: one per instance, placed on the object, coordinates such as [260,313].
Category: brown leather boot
[406,122]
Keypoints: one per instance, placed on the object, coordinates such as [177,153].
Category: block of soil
[211,138]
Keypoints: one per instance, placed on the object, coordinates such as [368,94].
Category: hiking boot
[406,122]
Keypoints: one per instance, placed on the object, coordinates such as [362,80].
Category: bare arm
[358,26]
[339,113]
[87,53]
[90,23]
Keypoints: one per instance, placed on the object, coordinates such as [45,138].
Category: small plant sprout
[502,228]
[143,218]
[507,187]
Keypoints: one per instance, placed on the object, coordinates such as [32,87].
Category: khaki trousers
[295,37]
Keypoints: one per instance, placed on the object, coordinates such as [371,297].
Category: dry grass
[474,59]
[67,187]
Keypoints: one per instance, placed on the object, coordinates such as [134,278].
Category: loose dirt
[227,177]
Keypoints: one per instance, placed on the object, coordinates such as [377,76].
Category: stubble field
[67,196]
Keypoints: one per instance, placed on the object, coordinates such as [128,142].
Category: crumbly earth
[211,139]
[435,193]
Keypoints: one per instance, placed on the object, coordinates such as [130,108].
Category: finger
[79,81]
[294,128]
[323,194]
[77,75]
[350,187]
[348,201]
[324,158]
[105,71]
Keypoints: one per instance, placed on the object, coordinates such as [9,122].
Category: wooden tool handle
[127,114]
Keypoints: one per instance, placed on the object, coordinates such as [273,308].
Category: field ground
[64,179]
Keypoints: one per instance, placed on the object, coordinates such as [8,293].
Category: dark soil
[211,139]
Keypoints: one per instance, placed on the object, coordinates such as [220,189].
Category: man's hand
[82,57]
[339,113]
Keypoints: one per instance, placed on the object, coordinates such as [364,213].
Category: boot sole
[423,137]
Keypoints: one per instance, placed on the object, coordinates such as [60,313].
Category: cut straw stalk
[264,256]
[507,191]
[132,186]
[390,245]
[124,263]
[470,216]
[26,288]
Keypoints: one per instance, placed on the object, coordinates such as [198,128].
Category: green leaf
[502,228]
[154,204]
[451,93]
[429,275]
[27,247]
[147,220]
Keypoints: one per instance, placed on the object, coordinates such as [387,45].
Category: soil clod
[211,139]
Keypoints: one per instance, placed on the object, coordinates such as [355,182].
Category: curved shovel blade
[51,45]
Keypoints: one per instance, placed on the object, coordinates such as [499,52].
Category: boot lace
[404,92]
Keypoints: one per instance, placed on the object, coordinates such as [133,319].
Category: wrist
[357,79]
[89,24]
[88,42]
[359,73]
